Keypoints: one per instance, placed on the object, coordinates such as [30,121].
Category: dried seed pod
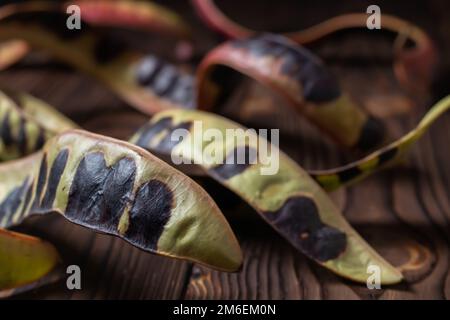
[116,188]
[289,199]
[25,262]
[152,85]
[329,179]
[140,15]
[298,76]
[143,16]
[334,178]
[414,66]
[26,123]
[144,81]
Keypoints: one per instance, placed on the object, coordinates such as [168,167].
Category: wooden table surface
[403,212]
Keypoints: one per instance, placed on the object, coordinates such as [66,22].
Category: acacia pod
[140,15]
[26,123]
[25,262]
[116,188]
[36,111]
[143,16]
[152,85]
[288,198]
[144,81]
[296,75]
[334,178]
[414,67]
[329,179]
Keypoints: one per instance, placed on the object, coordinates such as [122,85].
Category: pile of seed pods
[125,189]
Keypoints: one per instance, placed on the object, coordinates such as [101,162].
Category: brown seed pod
[139,15]
[414,67]
[296,75]
[116,188]
[26,263]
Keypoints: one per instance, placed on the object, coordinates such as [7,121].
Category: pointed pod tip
[198,231]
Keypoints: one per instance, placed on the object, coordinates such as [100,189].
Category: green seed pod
[26,123]
[288,199]
[116,188]
[387,156]
[329,179]
[26,262]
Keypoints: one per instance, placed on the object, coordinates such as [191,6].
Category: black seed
[299,222]
[372,134]
[149,214]
[27,200]
[165,80]
[86,192]
[42,178]
[349,174]
[147,70]
[183,92]
[167,143]
[40,141]
[12,202]
[100,194]
[117,192]
[59,164]
[149,130]
[5,132]
[231,167]
[387,155]
[301,65]
[22,138]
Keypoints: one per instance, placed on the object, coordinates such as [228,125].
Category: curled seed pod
[329,179]
[25,262]
[140,15]
[144,81]
[414,67]
[26,123]
[116,188]
[298,76]
[152,85]
[287,198]
[334,178]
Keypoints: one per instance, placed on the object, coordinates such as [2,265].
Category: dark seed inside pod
[233,165]
[371,134]
[99,194]
[149,214]
[299,220]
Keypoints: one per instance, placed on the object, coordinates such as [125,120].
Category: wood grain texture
[403,212]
